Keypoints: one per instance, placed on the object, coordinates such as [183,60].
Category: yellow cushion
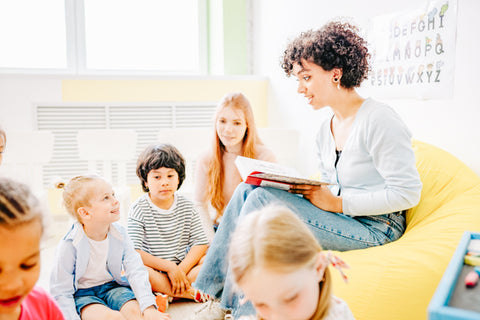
[397,280]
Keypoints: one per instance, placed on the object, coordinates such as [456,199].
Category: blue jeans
[334,231]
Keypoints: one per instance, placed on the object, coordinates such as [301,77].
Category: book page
[288,179]
[246,166]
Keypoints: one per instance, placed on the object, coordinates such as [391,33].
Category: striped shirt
[166,234]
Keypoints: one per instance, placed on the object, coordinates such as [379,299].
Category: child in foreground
[164,226]
[21,230]
[87,279]
[281,268]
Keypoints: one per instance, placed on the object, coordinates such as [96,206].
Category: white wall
[451,124]
[19,93]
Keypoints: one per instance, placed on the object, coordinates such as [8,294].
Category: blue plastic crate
[438,309]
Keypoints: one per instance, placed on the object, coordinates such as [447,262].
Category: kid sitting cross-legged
[87,278]
[164,226]
[21,230]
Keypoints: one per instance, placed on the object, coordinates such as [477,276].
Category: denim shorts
[110,294]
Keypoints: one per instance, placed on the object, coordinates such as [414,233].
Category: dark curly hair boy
[158,156]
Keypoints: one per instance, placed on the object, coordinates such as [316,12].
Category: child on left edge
[3,143]
[87,279]
[282,270]
[164,225]
[21,230]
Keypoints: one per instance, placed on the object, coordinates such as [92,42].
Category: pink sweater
[232,177]
[39,305]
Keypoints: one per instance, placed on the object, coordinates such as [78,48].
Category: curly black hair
[160,156]
[335,45]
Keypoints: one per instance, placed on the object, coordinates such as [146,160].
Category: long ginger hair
[215,169]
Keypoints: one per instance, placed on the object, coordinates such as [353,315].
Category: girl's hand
[319,196]
[153,314]
[178,279]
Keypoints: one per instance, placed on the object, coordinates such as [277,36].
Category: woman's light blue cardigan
[376,171]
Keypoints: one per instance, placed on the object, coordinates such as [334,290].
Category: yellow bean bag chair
[397,280]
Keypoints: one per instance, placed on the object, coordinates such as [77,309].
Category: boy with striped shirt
[164,226]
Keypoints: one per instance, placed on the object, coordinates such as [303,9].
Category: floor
[56,228]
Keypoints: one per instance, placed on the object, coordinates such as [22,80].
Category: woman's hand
[153,314]
[178,279]
[319,196]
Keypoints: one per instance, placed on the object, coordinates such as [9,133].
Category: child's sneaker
[210,310]
[162,301]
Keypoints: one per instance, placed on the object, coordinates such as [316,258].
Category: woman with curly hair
[365,153]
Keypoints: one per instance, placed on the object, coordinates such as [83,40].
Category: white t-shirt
[339,310]
[96,273]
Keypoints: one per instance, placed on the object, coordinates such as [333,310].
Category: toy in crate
[458,293]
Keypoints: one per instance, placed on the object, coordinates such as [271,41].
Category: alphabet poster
[413,53]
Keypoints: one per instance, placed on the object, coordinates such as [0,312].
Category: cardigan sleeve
[62,279]
[388,141]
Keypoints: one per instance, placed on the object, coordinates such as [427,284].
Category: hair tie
[337,263]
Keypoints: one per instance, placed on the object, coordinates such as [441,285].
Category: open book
[269,174]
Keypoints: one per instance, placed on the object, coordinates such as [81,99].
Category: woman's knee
[260,197]
[243,190]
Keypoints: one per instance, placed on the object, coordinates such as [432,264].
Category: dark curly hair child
[158,156]
[164,226]
[21,230]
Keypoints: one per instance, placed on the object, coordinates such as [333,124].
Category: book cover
[269,174]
